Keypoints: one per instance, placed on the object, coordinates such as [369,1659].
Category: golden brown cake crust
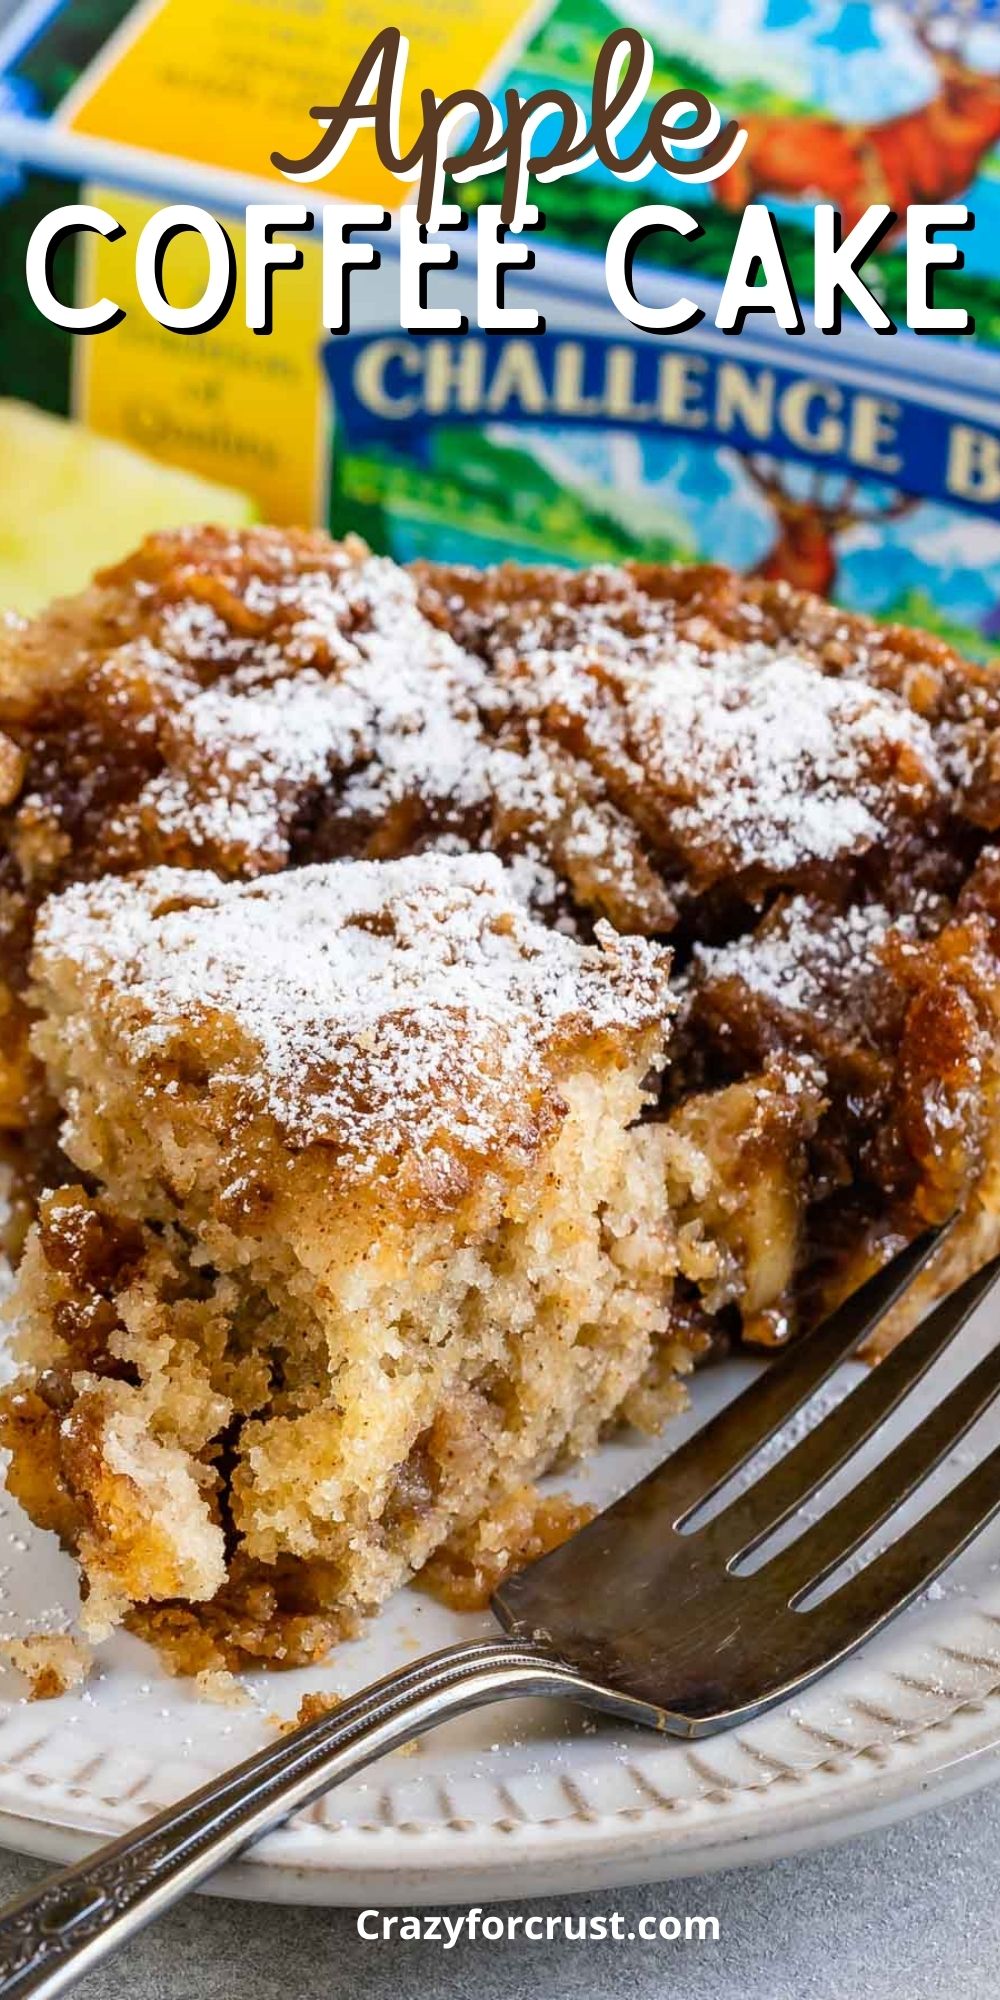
[250,702]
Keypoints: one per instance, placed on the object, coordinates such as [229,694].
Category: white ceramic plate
[526,1799]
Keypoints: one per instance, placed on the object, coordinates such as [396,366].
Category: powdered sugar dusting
[244,758]
[345,680]
[752,757]
[785,763]
[270,699]
[380,1007]
[332,693]
[812,960]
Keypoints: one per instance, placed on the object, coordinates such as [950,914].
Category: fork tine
[822,1548]
[806,1467]
[893,1579]
[658,1616]
[705,1461]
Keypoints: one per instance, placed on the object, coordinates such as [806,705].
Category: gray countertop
[910,1914]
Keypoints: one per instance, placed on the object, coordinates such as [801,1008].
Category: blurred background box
[863,467]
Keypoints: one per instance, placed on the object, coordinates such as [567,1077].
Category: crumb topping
[787,765]
[240,760]
[340,677]
[809,959]
[750,758]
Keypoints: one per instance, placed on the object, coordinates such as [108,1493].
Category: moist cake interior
[384,1167]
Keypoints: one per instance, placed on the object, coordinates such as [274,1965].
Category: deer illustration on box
[928,154]
[804,550]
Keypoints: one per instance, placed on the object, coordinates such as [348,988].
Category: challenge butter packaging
[865,468]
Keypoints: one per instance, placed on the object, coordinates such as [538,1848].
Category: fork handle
[52,1937]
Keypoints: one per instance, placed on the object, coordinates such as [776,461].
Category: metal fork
[639,1616]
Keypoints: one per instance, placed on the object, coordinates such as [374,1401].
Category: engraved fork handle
[54,1936]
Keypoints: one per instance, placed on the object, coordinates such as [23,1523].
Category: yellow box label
[232,405]
[228,82]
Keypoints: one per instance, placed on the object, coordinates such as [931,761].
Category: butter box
[863,467]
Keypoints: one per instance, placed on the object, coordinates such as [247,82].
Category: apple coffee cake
[382,1168]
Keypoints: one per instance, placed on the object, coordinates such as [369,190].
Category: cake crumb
[218,1684]
[310,1709]
[52,1662]
[474,1562]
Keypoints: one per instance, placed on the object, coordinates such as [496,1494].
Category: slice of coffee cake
[380,1236]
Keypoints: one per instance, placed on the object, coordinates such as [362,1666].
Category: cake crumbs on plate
[311,1708]
[219,1685]
[51,1662]
[521,1528]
